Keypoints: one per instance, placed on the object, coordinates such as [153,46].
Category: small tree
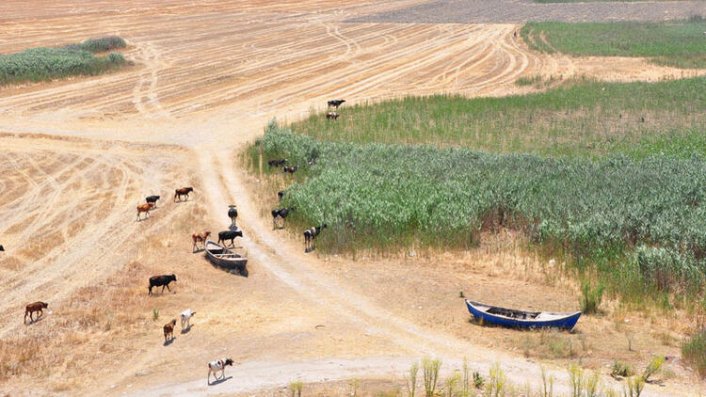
[412,386]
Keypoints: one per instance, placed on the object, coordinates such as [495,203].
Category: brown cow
[184,191]
[169,330]
[35,307]
[199,237]
[146,207]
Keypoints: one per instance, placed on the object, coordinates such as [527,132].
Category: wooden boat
[521,319]
[225,258]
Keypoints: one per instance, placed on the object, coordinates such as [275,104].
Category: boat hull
[226,259]
[565,321]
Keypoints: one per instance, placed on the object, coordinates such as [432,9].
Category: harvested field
[207,78]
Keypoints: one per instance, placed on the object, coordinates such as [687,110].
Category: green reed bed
[674,43]
[643,219]
[583,118]
[41,64]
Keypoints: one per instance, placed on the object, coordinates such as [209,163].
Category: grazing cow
[332,115]
[184,191]
[199,238]
[169,330]
[152,199]
[335,103]
[280,194]
[161,281]
[310,234]
[34,307]
[276,162]
[280,213]
[146,207]
[229,235]
[218,365]
[185,317]
[290,169]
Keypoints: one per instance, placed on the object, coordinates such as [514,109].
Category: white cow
[185,317]
[218,365]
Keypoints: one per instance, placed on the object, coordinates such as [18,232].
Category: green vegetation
[102,44]
[641,223]
[41,64]
[583,118]
[674,43]
[590,298]
[694,352]
[430,371]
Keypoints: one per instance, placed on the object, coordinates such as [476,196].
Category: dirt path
[208,78]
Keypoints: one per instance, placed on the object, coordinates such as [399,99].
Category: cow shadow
[198,250]
[169,341]
[186,330]
[219,381]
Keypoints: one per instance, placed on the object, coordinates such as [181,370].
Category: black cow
[280,194]
[229,235]
[335,103]
[290,170]
[2,248]
[276,162]
[161,281]
[280,213]
[310,234]
[152,199]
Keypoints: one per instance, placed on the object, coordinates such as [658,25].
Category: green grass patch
[675,43]
[581,118]
[642,221]
[41,64]
[694,351]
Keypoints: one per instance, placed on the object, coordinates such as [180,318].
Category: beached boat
[224,258]
[521,319]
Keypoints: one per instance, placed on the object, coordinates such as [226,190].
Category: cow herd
[279,215]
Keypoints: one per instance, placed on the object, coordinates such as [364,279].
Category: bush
[430,370]
[694,352]
[103,44]
[590,298]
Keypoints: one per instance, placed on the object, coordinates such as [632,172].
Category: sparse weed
[591,297]
[694,352]
[652,368]
[295,387]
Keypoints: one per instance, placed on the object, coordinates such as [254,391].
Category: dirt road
[207,78]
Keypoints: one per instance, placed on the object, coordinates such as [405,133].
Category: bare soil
[78,156]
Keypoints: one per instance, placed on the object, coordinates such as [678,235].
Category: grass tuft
[694,352]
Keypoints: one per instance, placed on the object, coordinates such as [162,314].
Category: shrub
[653,367]
[296,388]
[620,370]
[103,44]
[431,375]
[694,352]
[478,380]
[496,382]
[412,385]
[590,298]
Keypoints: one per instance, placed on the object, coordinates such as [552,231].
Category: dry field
[78,155]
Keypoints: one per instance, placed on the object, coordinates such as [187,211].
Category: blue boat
[513,318]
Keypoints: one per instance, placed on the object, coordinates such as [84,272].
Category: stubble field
[79,154]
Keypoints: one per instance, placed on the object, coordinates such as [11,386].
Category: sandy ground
[79,155]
